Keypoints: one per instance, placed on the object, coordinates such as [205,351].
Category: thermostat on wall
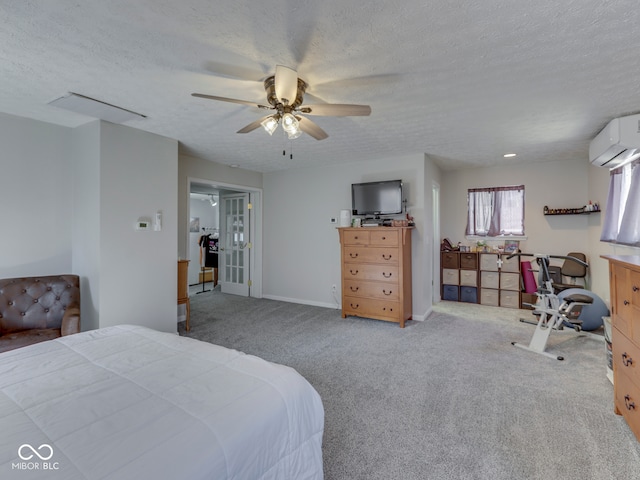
[143,225]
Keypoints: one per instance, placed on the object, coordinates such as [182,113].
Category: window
[622,216]
[495,211]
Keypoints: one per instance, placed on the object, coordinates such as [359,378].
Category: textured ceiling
[462,81]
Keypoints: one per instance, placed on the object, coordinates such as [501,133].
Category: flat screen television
[376,198]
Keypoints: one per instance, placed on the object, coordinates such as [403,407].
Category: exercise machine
[554,313]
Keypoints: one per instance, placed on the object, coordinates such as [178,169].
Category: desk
[183,288]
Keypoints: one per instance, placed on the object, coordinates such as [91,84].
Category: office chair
[570,269]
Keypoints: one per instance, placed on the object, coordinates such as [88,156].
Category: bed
[128,402]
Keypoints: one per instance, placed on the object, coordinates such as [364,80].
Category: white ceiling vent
[95,108]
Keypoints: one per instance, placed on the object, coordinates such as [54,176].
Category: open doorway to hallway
[224,237]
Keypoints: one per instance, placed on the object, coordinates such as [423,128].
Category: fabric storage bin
[450,292]
[509,281]
[469,278]
[469,261]
[450,260]
[489,297]
[469,294]
[489,261]
[450,276]
[509,299]
[510,265]
[489,280]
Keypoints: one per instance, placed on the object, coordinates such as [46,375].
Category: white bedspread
[128,402]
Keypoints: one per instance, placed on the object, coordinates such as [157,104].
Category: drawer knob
[353,273]
[627,361]
[354,289]
[384,238]
[628,403]
[353,255]
[355,306]
[387,293]
[626,302]
[635,288]
[386,275]
[386,257]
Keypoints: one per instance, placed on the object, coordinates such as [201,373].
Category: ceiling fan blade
[231,100]
[311,128]
[286,84]
[337,110]
[253,125]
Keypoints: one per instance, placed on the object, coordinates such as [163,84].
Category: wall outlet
[333,220]
[333,287]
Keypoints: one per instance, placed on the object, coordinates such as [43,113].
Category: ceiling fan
[285,94]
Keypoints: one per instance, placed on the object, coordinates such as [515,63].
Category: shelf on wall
[571,213]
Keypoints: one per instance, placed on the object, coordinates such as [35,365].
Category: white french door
[233,255]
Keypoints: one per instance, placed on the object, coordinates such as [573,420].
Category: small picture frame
[511,246]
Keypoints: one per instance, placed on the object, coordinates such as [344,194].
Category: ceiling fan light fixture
[270,124]
[295,134]
[290,123]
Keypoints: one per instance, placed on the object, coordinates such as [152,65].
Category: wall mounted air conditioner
[617,143]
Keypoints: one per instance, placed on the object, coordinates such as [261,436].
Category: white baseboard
[419,318]
[301,302]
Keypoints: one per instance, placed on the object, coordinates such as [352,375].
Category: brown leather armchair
[35,309]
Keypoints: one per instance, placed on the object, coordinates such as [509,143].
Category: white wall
[86,220]
[35,197]
[138,269]
[301,246]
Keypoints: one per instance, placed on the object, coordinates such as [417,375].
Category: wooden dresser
[376,272]
[183,289]
[624,278]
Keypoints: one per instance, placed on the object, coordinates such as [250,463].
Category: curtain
[630,224]
[622,215]
[495,211]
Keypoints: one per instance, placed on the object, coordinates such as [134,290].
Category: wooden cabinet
[499,280]
[624,278]
[459,276]
[376,272]
[183,289]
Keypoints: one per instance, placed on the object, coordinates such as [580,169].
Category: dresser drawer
[381,255]
[509,299]
[626,357]
[489,297]
[381,290]
[469,261]
[384,238]
[377,273]
[370,308]
[449,260]
[450,276]
[358,236]
[489,279]
[627,401]
[469,278]
[489,261]
[510,281]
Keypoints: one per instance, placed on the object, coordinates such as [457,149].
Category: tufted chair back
[39,304]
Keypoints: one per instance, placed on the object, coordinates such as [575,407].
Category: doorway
[232,214]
